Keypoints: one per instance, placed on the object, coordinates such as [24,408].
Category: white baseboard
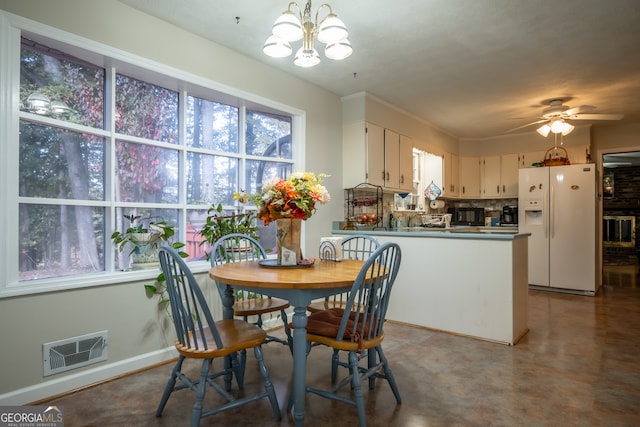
[84,378]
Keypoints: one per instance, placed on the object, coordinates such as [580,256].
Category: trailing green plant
[218,225]
[155,235]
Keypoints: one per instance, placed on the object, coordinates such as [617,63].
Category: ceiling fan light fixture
[567,129]
[557,126]
[544,130]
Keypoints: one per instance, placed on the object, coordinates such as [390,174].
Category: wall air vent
[72,353]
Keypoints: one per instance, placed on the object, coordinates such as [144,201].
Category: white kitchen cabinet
[490,176]
[469,177]
[406,163]
[509,175]
[377,156]
[526,159]
[451,184]
[363,154]
[391,159]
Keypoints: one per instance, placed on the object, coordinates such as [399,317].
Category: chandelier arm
[318,13]
[297,7]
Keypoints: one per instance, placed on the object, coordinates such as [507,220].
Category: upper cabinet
[377,156]
[490,176]
[469,177]
[509,165]
[406,164]
[451,184]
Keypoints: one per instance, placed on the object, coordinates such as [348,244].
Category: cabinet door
[469,177]
[526,159]
[490,178]
[509,175]
[391,159]
[375,155]
[406,164]
[451,175]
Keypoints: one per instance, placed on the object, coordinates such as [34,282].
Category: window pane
[211,179]
[57,163]
[195,221]
[146,216]
[57,240]
[146,110]
[146,174]
[258,172]
[268,135]
[212,125]
[58,85]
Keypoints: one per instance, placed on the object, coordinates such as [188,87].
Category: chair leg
[388,374]
[335,359]
[268,385]
[237,367]
[371,362]
[356,384]
[170,385]
[287,330]
[201,388]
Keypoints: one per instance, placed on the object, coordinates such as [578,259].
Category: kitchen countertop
[470,281]
[455,232]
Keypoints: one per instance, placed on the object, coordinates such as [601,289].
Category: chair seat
[346,345]
[256,306]
[243,335]
[325,305]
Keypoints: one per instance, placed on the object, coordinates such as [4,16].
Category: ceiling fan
[557,116]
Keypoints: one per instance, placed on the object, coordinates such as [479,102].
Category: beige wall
[123,309]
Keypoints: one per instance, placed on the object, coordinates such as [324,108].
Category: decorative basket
[556,161]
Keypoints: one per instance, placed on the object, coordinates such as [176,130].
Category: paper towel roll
[436,204]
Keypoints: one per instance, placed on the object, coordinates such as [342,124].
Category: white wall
[123,309]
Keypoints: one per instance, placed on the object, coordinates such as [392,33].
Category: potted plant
[144,242]
[218,225]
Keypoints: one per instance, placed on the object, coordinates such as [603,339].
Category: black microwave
[467,216]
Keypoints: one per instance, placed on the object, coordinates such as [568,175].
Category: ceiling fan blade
[596,116]
[527,125]
[579,109]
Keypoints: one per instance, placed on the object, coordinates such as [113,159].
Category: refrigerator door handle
[552,211]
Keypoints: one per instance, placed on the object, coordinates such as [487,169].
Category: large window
[99,144]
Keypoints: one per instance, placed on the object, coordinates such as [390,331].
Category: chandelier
[290,27]
[556,126]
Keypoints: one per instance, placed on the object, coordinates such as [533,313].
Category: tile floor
[578,366]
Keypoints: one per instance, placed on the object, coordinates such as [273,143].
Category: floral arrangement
[294,197]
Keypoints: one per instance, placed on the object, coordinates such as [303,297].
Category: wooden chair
[238,248]
[361,328]
[198,336]
[358,247]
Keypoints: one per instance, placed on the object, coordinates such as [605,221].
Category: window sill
[91,280]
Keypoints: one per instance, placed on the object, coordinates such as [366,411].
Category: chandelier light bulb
[567,129]
[332,29]
[291,27]
[288,27]
[306,58]
[338,50]
[276,47]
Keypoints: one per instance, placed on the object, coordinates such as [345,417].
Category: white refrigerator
[558,206]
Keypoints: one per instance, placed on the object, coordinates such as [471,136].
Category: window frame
[12,28]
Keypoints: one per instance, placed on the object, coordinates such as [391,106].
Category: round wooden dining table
[299,286]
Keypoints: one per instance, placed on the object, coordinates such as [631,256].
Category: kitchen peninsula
[467,281]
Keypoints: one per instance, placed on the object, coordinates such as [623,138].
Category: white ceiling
[473,68]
